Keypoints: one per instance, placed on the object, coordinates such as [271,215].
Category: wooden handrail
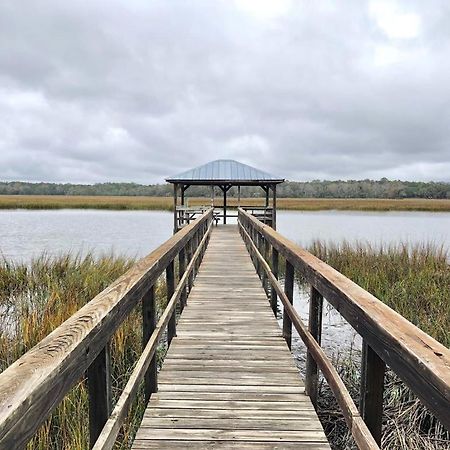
[351,414]
[36,383]
[418,359]
[111,429]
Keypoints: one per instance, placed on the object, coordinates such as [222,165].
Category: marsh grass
[166,203]
[414,281]
[34,300]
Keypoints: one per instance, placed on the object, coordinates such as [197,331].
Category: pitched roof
[224,171]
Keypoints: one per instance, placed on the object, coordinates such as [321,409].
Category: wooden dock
[228,379]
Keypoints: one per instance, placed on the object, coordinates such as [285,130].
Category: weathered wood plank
[35,384]
[418,359]
[228,377]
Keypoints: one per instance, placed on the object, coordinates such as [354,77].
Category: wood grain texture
[111,429]
[229,380]
[35,384]
[356,425]
[418,359]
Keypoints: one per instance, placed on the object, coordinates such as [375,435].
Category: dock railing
[33,386]
[388,338]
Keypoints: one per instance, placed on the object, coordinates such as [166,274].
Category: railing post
[189,258]
[289,291]
[181,270]
[266,255]
[170,281]
[273,292]
[372,387]
[99,388]
[257,241]
[315,328]
[148,326]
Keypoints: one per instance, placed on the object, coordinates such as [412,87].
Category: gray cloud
[135,91]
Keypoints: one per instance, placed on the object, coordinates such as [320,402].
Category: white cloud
[136,91]
[395,22]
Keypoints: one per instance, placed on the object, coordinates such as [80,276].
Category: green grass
[166,203]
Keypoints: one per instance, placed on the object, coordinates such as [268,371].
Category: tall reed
[414,281]
[34,299]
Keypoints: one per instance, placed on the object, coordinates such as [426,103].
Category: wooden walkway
[229,380]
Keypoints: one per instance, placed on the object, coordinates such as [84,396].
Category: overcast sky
[95,91]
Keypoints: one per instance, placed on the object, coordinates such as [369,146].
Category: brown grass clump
[34,300]
[416,283]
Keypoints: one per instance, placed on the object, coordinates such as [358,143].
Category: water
[390,227]
[25,234]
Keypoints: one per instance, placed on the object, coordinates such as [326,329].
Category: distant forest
[383,188]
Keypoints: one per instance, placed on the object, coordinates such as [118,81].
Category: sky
[138,90]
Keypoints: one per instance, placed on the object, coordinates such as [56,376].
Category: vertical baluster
[99,389]
[170,280]
[273,292]
[372,386]
[181,270]
[148,326]
[289,291]
[315,328]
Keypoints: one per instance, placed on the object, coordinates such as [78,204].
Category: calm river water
[25,234]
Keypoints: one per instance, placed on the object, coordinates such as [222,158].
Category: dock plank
[228,380]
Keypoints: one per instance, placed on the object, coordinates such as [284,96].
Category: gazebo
[223,173]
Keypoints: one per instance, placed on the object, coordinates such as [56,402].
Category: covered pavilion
[223,173]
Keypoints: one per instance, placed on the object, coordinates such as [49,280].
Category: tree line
[383,188]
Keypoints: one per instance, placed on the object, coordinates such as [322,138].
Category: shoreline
[121,203]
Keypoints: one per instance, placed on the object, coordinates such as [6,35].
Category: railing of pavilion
[388,338]
[32,387]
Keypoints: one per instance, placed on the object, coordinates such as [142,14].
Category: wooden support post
[315,328]
[183,190]
[266,189]
[224,205]
[273,292]
[99,389]
[189,257]
[170,280]
[289,291]
[274,207]
[181,270]
[256,240]
[148,326]
[265,252]
[372,387]
[175,212]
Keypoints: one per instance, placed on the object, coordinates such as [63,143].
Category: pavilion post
[183,190]
[224,205]
[267,196]
[175,213]
[274,207]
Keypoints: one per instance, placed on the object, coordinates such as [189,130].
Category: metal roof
[225,171]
